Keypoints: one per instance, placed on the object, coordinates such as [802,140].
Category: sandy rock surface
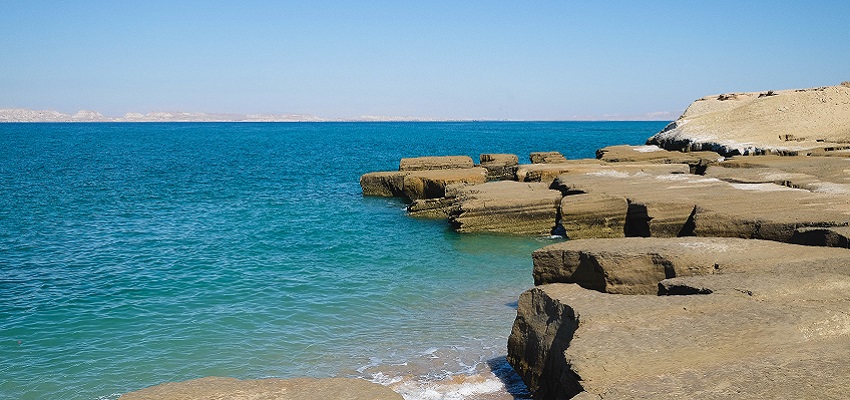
[215,388]
[774,325]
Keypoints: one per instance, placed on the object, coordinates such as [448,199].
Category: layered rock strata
[767,321]
[670,205]
[418,184]
[265,389]
[804,121]
[506,207]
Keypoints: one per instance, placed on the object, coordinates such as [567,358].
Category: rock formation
[547,157]
[435,163]
[500,166]
[801,121]
[265,389]
[686,275]
[506,207]
[754,319]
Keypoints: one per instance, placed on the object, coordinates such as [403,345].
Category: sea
[133,254]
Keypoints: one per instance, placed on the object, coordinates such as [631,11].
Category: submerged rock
[265,389]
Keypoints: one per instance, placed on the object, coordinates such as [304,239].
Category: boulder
[769,321]
[787,122]
[547,157]
[500,166]
[506,207]
[265,389]
[435,163]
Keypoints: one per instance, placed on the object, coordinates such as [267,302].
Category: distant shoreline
[21,115]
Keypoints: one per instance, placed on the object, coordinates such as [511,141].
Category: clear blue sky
[526,60]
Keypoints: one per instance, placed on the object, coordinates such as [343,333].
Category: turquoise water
[133,254]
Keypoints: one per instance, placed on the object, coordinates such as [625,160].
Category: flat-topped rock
[506,207]
[816,174]
[265,389]
[547,157]
[770,323]
[697,160]
[414,185]
[669,205]
[638,265]
[435,163]
[802,121]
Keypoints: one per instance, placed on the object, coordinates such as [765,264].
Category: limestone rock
[265,389]
[547,157]
[786,122]
[435,163]
[771,323]
[506,207]
[500,166]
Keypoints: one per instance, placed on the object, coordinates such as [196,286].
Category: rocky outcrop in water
[265,389]
[805,121]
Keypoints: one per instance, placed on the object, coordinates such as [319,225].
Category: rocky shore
[711,262]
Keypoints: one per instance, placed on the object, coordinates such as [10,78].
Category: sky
[515,60]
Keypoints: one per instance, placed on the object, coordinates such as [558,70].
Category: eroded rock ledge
[765,320]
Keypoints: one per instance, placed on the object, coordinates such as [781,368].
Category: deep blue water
[133,254]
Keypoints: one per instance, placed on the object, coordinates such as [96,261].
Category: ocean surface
[135,254]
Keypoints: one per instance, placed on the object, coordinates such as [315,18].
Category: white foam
[458,388]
